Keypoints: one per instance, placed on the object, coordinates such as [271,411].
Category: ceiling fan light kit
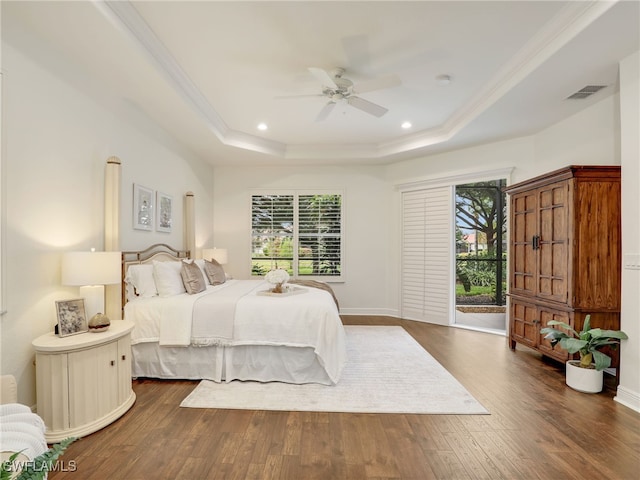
[337,88]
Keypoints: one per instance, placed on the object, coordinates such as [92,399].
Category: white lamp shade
[91,268]
[218,254]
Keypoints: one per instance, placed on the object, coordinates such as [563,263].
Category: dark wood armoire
[565,257]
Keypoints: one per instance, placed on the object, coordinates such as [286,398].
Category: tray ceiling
[207,73]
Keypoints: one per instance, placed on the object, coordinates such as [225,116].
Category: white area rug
[387,372]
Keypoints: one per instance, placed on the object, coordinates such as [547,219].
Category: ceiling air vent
[585,92]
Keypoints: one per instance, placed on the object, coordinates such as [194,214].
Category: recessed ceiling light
[443,79]
[262,126]
[406,125]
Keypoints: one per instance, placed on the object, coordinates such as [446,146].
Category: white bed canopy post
[113,302]
[190,224]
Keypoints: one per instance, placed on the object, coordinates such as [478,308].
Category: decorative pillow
[141,278]
[192,278]
[215,272]
[168,279]
[200,263]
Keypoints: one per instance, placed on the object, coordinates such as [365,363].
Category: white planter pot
[586,380]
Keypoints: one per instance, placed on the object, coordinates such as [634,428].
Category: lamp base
[93,299]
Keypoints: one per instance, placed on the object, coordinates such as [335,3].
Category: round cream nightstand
[83,382]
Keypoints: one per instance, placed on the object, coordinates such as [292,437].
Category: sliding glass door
[480,259]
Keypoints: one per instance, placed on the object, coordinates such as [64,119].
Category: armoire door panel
[523,230]
[524,328]
[553,243]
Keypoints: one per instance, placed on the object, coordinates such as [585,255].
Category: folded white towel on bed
[205,318]
[214,315]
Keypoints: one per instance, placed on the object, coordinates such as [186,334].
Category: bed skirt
[262,363]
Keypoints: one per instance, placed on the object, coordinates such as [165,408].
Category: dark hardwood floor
[538,428]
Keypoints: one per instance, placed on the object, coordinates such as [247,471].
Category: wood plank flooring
[538,429]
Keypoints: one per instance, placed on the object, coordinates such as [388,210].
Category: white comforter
[234,314]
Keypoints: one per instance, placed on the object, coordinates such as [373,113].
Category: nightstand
[83,382]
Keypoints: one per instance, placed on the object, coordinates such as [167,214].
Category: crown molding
[568,23]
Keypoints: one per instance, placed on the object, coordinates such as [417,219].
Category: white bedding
[233,315]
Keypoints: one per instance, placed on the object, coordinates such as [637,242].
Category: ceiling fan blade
[367,106]
[326,110]
[377,84]
[323,77]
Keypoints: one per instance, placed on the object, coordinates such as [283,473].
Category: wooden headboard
[160,252]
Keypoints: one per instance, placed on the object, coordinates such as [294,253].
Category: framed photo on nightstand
[71,317]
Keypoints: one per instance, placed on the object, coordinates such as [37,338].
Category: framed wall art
[165,212]
[143,207]
[71,317]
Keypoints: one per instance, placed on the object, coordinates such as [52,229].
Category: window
[298,231]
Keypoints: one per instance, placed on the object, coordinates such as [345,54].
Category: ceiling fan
[338,88]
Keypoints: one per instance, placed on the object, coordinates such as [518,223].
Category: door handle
[535,242]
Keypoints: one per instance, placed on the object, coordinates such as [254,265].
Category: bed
[230,329]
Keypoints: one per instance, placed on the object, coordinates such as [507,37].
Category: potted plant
[584,375]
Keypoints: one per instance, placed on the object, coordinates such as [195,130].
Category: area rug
[387,372]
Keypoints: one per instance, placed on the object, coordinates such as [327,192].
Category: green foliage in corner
[37,468]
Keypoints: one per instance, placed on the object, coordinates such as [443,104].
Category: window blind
[300,232]
[426,255]
[320,234]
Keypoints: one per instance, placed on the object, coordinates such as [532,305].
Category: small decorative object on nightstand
[99,323]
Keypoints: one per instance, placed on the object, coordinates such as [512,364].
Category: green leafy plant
[37,468]
[588,342]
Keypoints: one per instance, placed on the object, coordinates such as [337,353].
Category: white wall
[629,388]
[55,144]
[368,259]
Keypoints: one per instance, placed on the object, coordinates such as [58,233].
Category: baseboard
[628,398]
[385,312]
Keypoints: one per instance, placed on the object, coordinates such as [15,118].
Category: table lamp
[91,271]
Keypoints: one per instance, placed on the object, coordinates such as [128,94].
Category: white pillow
[141,278]
[168,278]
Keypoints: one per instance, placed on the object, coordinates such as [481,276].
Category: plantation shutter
[299,232]
[426,255]
[272,230]
[319,234]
